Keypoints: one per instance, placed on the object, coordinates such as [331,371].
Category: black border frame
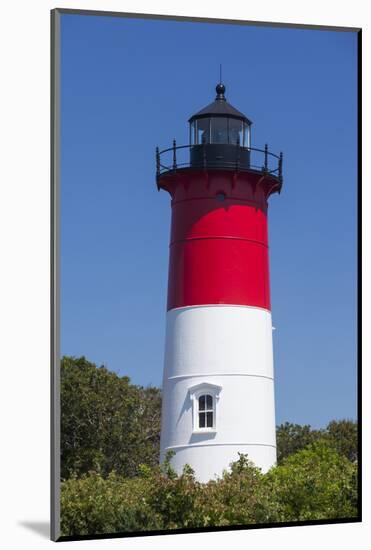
[55,273]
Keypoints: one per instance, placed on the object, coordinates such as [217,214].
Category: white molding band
[220,444]
[208,374]
[218,305]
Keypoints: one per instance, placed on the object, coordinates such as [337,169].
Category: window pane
[235,131]
[209,420]
[202,403]
[219,130]
[203,131]
[193,133]
[201,420]
[245,141]
[209,402]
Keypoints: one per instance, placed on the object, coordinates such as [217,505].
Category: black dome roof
[220,107]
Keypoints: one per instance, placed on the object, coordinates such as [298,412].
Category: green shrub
[96,505]
[237,498]
[111,480]
[316,483]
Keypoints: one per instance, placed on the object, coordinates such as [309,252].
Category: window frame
[206,411]
[195,393]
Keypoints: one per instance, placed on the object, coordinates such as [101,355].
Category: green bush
[237,498]
[93,504]
[111,480]
[315,483]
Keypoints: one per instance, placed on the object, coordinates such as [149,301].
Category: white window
[204,399]
[206,411]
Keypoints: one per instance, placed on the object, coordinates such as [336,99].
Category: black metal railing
[242,159]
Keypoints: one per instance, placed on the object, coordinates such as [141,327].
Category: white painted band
[224,347]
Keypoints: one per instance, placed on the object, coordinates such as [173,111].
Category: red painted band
[219,249]
[218,272]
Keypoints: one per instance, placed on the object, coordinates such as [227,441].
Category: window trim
[195,393]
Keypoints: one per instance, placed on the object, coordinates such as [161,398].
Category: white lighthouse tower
[218,383]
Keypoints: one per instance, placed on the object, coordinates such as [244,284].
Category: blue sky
[131,84]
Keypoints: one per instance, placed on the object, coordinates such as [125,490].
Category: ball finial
[220,89]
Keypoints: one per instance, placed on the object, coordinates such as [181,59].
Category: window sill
[204,431]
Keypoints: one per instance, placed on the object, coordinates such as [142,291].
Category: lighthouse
[218,379]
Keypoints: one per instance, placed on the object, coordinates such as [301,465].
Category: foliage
[173,497]
[112,482]
[314,483]
[343,436]
[93,504]
[239,497]
[292,438]
[340,434]
[107,424]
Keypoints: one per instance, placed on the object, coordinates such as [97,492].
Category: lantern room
[219,139]
[220,133]
[220,123]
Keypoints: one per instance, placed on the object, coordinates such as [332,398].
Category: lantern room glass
[221,130]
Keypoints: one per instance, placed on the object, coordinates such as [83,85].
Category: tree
[342,435]
[107,423]
[292,438]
